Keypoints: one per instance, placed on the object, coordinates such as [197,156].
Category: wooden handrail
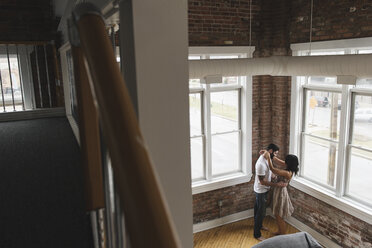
[89,135]
[146,213]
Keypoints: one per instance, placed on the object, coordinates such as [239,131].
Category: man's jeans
[259,212]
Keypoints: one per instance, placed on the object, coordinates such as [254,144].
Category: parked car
[363,114]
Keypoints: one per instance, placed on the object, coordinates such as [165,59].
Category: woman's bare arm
[279,162]
[277,171]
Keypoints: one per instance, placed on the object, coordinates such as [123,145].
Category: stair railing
[102,92]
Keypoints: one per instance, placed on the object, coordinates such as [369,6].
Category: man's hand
[281,184]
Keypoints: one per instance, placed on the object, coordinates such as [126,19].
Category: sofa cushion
[296,240]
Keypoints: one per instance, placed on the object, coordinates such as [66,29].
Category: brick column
[271,95]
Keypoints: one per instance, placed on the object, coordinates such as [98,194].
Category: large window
[320,134]
[332,135]
[11,98]
[360,149]
[218,125]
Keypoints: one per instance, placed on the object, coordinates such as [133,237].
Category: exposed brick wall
[270,114]
[212,22]
[25,20]
[331,222]
[271,95]
[331,20]
[273,33]
[234,199]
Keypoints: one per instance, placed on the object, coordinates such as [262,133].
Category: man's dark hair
[292,163]
[273,147]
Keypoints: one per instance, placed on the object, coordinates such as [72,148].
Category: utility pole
[333,136]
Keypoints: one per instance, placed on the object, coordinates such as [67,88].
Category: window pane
[364,83]
[194,57]
[15,79]
[224,111]
[323,111]
[320,160]
[321,52]
[361,134]
[366,51]
[360,172]
[323,81]
[224,57]
[195,114]
[11,83]
[197,158]
[225,153]
[194,83]
[325,52]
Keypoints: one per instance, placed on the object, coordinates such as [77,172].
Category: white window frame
[245,119]
[67,89]
[335,198]
[353,93]
[303,134]
[25,78]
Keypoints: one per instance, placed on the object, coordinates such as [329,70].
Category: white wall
[161,72]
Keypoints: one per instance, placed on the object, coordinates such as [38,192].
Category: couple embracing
[278,178]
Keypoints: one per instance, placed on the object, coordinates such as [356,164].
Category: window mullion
[343,140]
[240,159]
[208,136]
[246,124]
[296,120]
[303,129]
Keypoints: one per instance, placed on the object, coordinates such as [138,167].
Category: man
[262,185]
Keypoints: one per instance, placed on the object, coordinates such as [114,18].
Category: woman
[281,203]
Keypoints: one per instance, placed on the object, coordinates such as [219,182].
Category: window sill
[222,182]
[343,203]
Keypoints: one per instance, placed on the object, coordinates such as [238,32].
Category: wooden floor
[235,235]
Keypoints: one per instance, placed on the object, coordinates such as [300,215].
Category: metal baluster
[121,230]
[30,77]
[120,237]
[101,228]
[113,39]
[94,221]
[119,42]
[20,78]
[47,73]
[107,179]
[120,227]
[38,77]
[2,92]
[122,233]
[10,76]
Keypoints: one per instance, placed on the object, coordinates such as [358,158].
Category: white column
[160,38]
